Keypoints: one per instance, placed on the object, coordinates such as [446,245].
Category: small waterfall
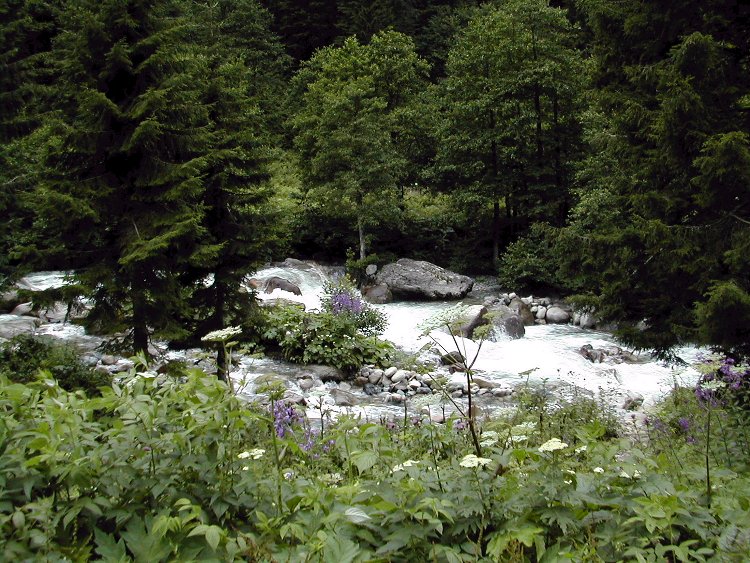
[307,276]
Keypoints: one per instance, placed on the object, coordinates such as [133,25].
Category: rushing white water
[546,353]
[39,281]
[309,279]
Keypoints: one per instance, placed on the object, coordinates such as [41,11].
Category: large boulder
[417,279]
[505,320]
[280,283]
[472,318]
[12,325]
[557,315]
[523,311]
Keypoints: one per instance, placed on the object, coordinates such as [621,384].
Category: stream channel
[547,354]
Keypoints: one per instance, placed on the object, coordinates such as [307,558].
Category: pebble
[399,376]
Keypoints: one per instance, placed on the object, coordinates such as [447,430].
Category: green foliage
[507,130]
[27,358]
[341,298]
[171,470]
[723,318]
[659,196]
[323,338]
[353,110]
[533,260]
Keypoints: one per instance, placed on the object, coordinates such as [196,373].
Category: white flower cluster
[222,335]
[446,317]
[489,438]
[713,385]
[598,470]
[473,461]
[553,445]
[401,466]
[527,426]
[257,453]
[516,439]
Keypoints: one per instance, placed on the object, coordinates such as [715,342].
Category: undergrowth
[161,469]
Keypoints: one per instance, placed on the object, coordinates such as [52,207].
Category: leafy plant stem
[708,446]
[434,458]
[277,461]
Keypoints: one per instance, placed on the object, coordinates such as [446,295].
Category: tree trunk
[495,170]
[496,232]
[361,230]
[219,295]
[558,161]
[140,327]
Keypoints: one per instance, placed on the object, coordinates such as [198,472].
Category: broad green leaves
[352,112]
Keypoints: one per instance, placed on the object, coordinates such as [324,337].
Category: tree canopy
[164,149]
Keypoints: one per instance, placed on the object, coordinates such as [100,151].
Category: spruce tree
[27,28]
[245,66]
[669,165]
[125,188]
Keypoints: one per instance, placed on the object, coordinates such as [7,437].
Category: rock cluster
[395,385]
[535,310]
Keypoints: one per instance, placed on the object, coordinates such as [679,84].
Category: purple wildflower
[684,424]
[308,440]
[343,302]
[285,416]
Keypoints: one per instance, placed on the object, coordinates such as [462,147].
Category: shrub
[23,358]
[323,338]
[344,301]
[184,471]
[533,261]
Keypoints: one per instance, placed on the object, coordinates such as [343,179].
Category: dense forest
[162,151]
[594,148]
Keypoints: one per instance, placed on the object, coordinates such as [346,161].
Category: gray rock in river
[417,279]
[505,319]
[557,315]
[276,282]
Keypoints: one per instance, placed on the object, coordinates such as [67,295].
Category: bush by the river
[161,468]
[343,334]
[26,357]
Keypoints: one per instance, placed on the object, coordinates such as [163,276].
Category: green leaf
[213,536]
[364,460]
[109,550]
[340,550]
[356,515]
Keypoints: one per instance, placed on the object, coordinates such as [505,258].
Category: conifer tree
[27,28]
[669,165]
[245,67]
[125,186]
